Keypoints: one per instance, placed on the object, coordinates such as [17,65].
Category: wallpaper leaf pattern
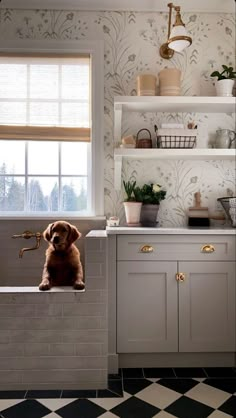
[132,41]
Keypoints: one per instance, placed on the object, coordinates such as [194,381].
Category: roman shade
[45,97]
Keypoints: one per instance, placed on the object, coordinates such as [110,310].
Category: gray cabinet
[147,307]
[207,307]
[159,311]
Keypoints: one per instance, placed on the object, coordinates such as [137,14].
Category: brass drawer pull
[180,277]
[208,248]
[146,249]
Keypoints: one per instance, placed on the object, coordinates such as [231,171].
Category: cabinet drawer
[175,247]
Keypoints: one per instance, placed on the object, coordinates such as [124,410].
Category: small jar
[146,85]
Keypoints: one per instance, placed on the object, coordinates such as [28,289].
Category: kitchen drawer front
[175,247]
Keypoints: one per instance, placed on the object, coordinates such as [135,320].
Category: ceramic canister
[146,85]
[170,82]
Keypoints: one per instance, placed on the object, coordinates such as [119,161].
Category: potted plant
[225,81]
[151,195]
[132,204]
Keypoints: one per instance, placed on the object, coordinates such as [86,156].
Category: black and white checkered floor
[134,393]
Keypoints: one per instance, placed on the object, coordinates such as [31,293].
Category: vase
[224,88]
[170,82]
[132,213]
[148,215]
[146,85]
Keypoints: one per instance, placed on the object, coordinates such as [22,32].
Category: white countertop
[97,233]
[125,230]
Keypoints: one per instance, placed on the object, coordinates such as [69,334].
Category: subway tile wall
[51,340]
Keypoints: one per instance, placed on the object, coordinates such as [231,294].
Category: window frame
[96,51]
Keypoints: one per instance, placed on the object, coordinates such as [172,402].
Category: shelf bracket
[117,123]
[117,172]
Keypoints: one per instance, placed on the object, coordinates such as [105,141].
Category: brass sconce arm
[170,5]
[175,35]
[165,51]
[178,19]
[27,235]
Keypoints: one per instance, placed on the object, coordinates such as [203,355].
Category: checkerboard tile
[219,414]
[186,408]
[25,409]
[139,393]
[158,395]
[208,395]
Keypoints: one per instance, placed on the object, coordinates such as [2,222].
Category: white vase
[132,213]
[224,88]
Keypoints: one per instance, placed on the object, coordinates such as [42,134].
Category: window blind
[45,97]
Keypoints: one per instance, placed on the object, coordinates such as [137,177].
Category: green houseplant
[129,187]
[142,203]
[132,204]
[225,81]
[226,73]
[151,195]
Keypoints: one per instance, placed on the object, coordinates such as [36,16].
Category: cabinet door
[207,307]
[146,307]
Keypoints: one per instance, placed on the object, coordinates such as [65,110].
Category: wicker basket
[176,138]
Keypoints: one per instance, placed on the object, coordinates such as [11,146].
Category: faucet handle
[27,235]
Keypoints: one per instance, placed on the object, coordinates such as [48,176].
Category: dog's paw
[79,285]
[44,286]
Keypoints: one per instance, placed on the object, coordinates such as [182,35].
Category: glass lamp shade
[179,39]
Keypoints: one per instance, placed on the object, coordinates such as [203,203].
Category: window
[50,134]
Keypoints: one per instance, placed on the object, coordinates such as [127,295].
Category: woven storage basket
[176,138]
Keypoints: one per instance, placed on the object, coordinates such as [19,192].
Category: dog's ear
[47,234]
[74,234]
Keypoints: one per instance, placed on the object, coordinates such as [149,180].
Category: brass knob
[180,277]
[146,249]
[208,248]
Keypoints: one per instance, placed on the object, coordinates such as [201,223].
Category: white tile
[208,395]
[52,415]
[54,404]
[109,403]
[219,414]
[153,379]
[199,379]
[107,415]
[158,395]
[7,403]
[164,414]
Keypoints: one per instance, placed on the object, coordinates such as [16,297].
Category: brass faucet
[27,235]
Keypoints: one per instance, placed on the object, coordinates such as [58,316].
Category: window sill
[52,217]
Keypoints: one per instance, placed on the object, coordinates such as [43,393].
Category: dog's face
[61,234]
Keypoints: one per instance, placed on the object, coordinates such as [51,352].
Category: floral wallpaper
[132,41]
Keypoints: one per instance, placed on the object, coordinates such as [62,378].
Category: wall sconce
[178,38]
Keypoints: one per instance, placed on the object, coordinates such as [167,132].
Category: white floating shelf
[176,104]
[169,104]
[168,154]
[176,153]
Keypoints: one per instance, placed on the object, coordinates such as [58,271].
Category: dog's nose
[56,240]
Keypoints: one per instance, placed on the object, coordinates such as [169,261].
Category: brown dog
[62,266]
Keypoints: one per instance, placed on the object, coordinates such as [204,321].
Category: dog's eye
[63,229]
